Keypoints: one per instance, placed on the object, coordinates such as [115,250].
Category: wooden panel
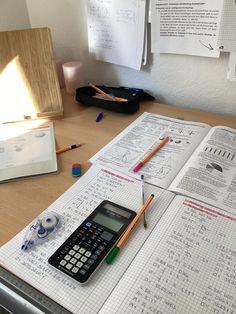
[26,56]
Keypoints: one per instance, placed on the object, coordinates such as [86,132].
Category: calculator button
[88,224]
[83,259]
[72,252]
[88,254]
[79,264]
[82,271]
[98,252]
[76,247]
[63,262]
[73,260]
[101,248]
[82,250]
[75,270]
[68,266]
[90,261]
[87,266]
[67,257]
[77,255]
[106,236]
[94,256]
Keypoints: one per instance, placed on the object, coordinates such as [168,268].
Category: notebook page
[187,265]
[74,206]
[116,31]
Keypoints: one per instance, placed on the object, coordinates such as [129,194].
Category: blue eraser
[76,170]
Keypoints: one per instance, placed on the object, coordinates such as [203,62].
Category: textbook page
[210,174]
[116,31]
[227,35]
[126,150]
[186,27]
[74,206]
[26,152]
[187,265]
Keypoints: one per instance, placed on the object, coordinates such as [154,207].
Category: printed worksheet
[210,174]
[126,150]
[73,207]
[187,265]
[116,31]
[186,27]
[227,35]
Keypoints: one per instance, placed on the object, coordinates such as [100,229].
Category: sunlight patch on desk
[17,101]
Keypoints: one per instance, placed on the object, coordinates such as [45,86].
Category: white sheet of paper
[116,31]
[227,35]
[231,74]
[186,27]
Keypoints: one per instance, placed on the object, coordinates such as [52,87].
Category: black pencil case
[85,96]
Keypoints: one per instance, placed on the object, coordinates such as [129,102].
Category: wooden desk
[22,201]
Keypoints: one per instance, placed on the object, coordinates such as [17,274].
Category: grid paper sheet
[187,265]
[74,206]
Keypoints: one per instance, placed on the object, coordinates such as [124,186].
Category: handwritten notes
[116,31]
[186,266]
[74,206]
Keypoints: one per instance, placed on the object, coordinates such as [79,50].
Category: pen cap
[111,256]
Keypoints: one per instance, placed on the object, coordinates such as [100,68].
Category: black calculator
[81,254]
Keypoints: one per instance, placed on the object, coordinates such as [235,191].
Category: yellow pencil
[65,149]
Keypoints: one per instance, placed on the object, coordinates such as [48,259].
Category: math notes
[116,31]
[186,266]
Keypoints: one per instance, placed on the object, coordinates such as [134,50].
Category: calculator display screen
[117,210]
[108,222]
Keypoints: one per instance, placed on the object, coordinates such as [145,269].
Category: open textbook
[183,262]
[198,161]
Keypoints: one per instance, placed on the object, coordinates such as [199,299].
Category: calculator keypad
[83,251]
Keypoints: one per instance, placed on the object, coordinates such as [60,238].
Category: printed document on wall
[186,27]
[227,35]
[116,31]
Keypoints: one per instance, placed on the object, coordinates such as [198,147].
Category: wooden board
[28,76]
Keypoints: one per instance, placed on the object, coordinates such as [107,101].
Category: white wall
[187,81]
[13,15]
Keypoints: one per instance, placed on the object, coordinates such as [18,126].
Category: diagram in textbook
[213,166]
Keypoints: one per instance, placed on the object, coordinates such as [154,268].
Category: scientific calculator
[81,254]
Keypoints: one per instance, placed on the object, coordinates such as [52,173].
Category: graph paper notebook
[162,268]
[26,152]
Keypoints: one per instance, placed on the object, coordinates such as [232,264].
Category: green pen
[116,249]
